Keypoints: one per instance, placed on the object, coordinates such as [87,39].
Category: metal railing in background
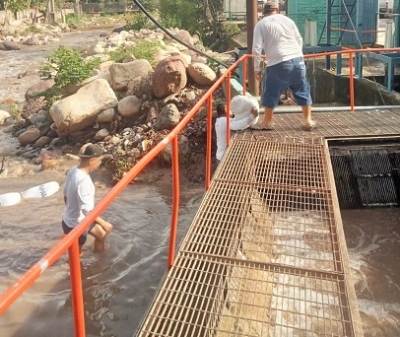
[70,242]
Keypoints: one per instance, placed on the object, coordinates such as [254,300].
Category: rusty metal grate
[336,124]
[265,255]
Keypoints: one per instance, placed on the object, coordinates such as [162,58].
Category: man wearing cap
[244,112]
[79,193]
[280,38]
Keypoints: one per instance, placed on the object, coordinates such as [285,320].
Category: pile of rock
[125,107]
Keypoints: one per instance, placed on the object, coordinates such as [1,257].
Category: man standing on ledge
[280,38]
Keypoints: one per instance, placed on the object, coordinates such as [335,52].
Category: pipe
[175,38]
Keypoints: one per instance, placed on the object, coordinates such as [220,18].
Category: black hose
[175,38]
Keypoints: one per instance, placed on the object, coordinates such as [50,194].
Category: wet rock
[56,142]
[30,136]
[19,132]
[9,45]
[42,141]
[167,118]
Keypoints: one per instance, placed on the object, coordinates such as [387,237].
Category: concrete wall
[327,88]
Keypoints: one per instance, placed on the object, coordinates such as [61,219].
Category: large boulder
[76,112]
[202,74]
[122,73]
[171,76]
[168,117]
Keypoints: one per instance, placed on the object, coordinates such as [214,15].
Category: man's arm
[257,49]
[106,225]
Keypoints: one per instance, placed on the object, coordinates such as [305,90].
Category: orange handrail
[70,242]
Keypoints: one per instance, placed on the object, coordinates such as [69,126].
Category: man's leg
[268,115]
[307,116]
[99,235]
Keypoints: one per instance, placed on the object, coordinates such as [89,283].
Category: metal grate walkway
[266,253]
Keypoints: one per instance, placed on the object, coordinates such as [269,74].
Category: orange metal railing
[70,242]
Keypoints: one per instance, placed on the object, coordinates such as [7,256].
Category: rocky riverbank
[120,106]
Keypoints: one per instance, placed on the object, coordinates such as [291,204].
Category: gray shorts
[83,237]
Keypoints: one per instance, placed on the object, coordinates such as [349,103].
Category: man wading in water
[79,197]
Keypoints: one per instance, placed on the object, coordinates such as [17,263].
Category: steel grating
[265,255]
[365,123]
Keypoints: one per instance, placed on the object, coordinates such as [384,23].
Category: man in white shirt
[280,38]
[79,197]
[245,114]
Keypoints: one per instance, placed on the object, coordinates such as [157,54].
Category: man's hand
[107,227]
[254,112]
[258,75]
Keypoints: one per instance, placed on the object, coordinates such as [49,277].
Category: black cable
[175,38]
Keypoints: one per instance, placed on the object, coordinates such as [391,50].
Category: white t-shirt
[79,191]
[279,37]
[235,124]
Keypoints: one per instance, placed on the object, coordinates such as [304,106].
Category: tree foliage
[196,16]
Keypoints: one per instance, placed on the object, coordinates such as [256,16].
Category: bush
[136,21]
[141,50]
[66,67]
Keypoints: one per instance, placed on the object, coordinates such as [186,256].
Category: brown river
[120,283]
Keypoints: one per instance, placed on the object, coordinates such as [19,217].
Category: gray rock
[167,118]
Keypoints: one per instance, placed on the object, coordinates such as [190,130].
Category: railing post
[228,108]
[175,204]
[351,79]
[209,141]
[76,290]
[244,75]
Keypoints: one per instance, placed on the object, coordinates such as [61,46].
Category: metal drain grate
[265,255]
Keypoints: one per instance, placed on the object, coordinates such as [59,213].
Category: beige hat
[90,150]
[270,6]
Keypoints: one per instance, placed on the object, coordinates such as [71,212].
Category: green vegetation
[196,16]
[136,21]
[15,111]
[141,50]
[66,67]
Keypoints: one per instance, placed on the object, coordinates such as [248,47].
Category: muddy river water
[120,283]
